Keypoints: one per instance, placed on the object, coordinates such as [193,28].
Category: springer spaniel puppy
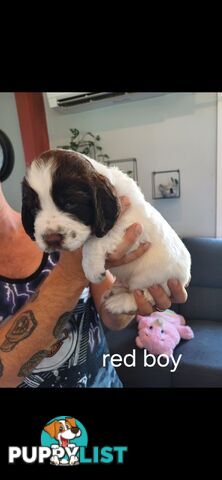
[70,201]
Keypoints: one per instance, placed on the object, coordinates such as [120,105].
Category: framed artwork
[127,165]
[166,184]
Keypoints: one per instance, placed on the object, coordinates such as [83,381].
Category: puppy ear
[28,217]
[71,421]
[106,204]
[50,429]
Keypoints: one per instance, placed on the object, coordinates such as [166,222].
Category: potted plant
[87,144]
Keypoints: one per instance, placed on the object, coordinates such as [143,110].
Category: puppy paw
[95,276]
[98,278]
[122,303]
[115,290]
[74,460]
[54,460]
[108,293]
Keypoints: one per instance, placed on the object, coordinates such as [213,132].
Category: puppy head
[63,430]
[65,200]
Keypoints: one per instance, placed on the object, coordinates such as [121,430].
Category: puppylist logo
[63,442]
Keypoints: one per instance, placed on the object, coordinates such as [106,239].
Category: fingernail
[145,245]
[139,293]
[138,229]
[125,201]
[174,282]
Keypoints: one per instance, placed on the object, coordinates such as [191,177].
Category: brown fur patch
[79,190]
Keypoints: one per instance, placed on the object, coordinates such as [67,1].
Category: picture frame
[127,165]
[166,184]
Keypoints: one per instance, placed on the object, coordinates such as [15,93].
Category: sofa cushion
[202,302]
[205,289]
[206,255]
[201,361]
[200,364]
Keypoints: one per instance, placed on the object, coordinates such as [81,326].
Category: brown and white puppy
[63,431]
[70,200]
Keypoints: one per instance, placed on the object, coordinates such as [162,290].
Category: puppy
[63,431]
[70,201]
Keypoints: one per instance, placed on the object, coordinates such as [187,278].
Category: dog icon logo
[64,435]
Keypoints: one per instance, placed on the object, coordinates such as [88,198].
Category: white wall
[176,131]
[10,125]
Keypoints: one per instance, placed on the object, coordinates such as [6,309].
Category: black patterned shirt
[76,359]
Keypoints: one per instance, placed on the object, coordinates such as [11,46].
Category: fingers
[120,256]
[131,235]
[162,301]
[144,307]
[178,292]
[124,203]
[129,257]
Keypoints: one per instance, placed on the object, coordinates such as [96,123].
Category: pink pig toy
[160,332]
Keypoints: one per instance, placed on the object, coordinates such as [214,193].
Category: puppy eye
[150,327]
[69,206]
[68,427]
[61,429]
[162,331]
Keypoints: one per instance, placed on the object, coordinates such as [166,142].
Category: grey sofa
[201,361]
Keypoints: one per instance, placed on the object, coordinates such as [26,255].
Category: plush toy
[160,332]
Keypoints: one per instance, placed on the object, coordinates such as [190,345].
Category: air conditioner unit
[74,102]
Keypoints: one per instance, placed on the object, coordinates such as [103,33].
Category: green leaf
[75,132]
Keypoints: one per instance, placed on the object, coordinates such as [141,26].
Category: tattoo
[1,368]
[29,366]
[62,321]
[21,329]
[34,296]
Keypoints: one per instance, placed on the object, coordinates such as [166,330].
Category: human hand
[120,256]
[162,300]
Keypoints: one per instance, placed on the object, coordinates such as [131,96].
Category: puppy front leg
[121,303]
[93,260]
[54,460]
[74,459]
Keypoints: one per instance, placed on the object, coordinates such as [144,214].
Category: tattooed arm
[26,337]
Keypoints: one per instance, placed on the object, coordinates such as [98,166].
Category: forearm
[26,337]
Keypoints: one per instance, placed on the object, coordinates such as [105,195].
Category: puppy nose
[53,239]
[75,429]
